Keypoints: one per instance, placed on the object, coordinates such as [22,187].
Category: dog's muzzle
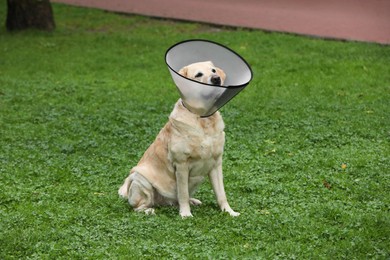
[215,80]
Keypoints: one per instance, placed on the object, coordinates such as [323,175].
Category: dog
[186,150]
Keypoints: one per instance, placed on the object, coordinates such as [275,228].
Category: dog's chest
[197,142]
[200,151]
[204,154]
[207,147]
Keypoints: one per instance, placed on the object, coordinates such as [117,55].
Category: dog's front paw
[229,210]
[233,213]
[185,214]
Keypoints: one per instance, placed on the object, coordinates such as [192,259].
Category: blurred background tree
[25,14]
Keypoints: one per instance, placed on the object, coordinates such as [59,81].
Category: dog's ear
[183,71]
[221,73]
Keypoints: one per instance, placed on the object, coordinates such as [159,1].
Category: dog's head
[204,72]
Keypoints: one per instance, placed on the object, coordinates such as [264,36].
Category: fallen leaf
[327,185]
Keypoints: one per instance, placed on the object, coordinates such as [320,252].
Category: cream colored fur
[187,149]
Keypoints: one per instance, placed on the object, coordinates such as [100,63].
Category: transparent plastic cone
[200,98]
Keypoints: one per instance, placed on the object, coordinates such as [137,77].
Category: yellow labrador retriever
[187,149]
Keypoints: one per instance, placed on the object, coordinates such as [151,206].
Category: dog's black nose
[215,80]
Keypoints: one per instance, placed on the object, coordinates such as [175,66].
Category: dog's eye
[198,75]
[213,71]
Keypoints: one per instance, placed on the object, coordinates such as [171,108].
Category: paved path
[356,20]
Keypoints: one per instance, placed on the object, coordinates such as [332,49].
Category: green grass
[79,106]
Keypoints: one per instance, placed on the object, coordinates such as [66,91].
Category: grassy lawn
[306,159]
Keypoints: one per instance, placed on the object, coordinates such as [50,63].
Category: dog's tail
[124,189]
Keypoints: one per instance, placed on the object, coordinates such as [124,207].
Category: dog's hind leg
[195,202]
[124,189]
[141,194]
[193,184]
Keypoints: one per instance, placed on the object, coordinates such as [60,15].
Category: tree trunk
[24,14]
